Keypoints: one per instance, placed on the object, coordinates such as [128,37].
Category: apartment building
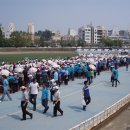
[88,34]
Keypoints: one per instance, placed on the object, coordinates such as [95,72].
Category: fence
[100,117]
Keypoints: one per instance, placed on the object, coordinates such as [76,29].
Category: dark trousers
[94,74]
[25,112]
[32,99]
[98,71]
[51,95]
[66,80]
[57,108]
[89,81]
[45,104]
[87,101]
[112,79]
[115,80]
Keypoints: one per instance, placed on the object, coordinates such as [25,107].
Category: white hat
[56,87]
[23,87]
[52,80]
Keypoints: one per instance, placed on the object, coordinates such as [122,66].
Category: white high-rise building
[11,28]
[101,32]
[72,32]
[114,33]
[88,34]
[31,29]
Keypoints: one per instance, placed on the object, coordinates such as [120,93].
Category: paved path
[102,94]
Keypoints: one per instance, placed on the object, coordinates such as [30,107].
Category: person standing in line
[56,102]
[116,75]
[88,74]
[127,65]
[34,88]
[24,103]
[6,88]
[86,95]
[45,97]
[56,76]
[112,74]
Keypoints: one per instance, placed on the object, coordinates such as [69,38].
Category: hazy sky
[63,14]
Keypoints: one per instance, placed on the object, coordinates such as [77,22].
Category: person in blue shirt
[45,97]
[86,95]
[11,82]
[116,75]
[56,77]
[6,88]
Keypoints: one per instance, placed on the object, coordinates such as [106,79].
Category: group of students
[34,88]
[33,92]
[54,91]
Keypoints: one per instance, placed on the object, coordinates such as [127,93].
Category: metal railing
[100,117]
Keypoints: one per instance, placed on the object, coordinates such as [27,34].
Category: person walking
[6,88]
[56,102]
[45,97]
[34,88]
[86,95]
[127,65]
[116,75]
[88,75]
[24,103]
[112,74]
[52,85]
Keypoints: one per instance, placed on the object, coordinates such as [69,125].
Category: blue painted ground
[102,94]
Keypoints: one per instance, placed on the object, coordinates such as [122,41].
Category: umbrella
[5,72]
[32,70]
[55,65]
[92,67]
[19,69]
[50,62]
[91,60]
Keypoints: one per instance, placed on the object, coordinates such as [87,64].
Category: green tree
[2,40]
[111,43]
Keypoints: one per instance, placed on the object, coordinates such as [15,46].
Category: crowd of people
[30,75]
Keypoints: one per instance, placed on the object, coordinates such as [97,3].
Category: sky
[63,14]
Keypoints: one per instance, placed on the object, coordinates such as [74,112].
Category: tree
[1,38]
[107,42]
[20,39]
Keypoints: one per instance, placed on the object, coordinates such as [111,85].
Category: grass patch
[18,57]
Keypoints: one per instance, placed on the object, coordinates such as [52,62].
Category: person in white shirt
[24,103]
[56,102]
[34,88]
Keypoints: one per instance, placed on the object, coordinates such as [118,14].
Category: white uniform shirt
[33,88]
[24,96]
[57,95]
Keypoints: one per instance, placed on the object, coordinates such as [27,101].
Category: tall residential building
[72,32]
[31,29]
[114,33]
[101,32]
[56,36]
[1,27]
[88,34]
[10,29]
[124,34]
